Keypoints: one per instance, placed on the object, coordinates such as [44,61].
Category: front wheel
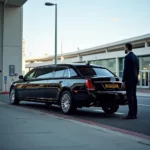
[13,98]
[66,102]
[110,110]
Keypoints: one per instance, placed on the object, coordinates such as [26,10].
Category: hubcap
[65,102]
[12,96]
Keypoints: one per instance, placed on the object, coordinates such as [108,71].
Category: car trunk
[106,83]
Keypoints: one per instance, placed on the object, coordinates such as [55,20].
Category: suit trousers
[132,98]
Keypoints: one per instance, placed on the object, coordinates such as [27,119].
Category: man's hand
[123,85]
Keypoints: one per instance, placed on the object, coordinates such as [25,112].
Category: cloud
[116,19]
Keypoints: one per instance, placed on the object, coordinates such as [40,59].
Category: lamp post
[51,4]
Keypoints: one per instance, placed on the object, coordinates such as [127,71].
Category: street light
[51,4]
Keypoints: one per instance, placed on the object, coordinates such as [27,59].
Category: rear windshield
[89,71]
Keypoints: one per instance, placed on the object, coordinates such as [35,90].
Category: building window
[111,65]
[145,63]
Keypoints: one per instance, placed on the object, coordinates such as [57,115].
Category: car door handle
[60,81]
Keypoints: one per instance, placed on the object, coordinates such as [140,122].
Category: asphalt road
[140,125]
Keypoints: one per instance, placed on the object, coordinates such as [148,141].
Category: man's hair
[129,46]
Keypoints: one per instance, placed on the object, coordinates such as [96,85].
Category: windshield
[89,71]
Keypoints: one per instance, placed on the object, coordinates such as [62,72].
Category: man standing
[130,80]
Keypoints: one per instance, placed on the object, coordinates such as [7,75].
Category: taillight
[89,84]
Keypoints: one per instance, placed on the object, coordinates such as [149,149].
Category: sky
[82,23]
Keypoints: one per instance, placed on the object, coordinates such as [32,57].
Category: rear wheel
[66,102]
[110,110]
[12,97]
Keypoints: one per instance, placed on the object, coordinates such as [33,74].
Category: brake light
[89,84]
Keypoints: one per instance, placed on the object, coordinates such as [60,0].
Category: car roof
[70,65]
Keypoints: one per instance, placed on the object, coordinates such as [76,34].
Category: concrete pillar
[12,43]
[79,58]
[1,42]
[106,50]
[146,44]
[117,66]
[140,65]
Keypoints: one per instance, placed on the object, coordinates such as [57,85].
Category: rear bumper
[111,97]
[100,98]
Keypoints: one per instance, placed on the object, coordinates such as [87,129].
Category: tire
[110,110]
[66,103]
[12,97]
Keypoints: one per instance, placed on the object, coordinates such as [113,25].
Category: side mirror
[21,77]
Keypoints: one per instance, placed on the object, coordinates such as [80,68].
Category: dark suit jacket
[131,69]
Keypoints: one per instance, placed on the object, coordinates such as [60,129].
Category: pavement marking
[144,105]
[117,113]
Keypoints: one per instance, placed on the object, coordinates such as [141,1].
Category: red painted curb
[144,91]
[5,93]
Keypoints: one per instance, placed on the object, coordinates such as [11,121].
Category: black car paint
[50,89]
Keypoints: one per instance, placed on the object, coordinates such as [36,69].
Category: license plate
[111,86]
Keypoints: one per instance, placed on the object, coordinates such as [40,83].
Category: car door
[25,89]
[59,79]
[55,84]
[43,77]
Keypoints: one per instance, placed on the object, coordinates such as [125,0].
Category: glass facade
[144,74]
[145,63]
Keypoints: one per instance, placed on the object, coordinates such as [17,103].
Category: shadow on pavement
[80,113]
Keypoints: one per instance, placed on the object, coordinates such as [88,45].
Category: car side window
[72,73]
[31,75]
[66,73]
[59,72]
[45,72]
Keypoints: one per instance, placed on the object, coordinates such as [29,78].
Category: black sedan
[70,86]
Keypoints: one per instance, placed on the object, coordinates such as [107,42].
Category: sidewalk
[22,128]
[143,94]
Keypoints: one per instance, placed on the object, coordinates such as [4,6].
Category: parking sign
[5,78]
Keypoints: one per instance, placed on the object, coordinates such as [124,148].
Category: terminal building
[11,27]
[110,56]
